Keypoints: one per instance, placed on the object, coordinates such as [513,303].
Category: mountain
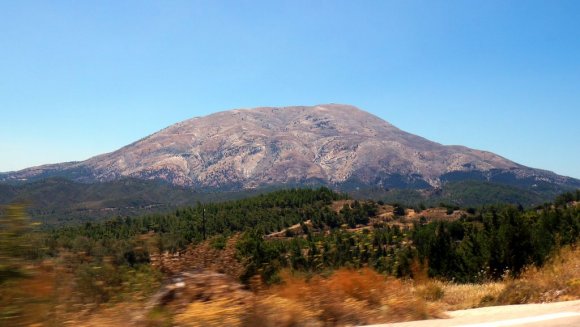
[337,145]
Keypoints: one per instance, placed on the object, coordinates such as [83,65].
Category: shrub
[218,242]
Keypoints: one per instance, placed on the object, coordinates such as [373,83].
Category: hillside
[59,200]
[466,193]
[62,201]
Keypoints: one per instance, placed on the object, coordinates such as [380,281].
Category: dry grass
[558,280]
[452,296]
[219,312]
[467,296]
[347,297]
[364,297]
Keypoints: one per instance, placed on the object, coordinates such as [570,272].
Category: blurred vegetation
[18,242]
[73,269]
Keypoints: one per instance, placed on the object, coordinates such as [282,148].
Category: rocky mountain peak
[329,144]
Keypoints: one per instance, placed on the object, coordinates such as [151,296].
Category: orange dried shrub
[29,300]
[347,297]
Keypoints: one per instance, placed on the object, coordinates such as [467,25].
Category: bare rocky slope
[328,144]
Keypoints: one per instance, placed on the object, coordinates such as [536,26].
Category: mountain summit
[329,144]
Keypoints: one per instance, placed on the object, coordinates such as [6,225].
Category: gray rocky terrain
[328,144]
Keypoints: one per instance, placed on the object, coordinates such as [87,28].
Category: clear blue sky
[79,78]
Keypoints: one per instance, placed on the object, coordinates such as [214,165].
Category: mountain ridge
[330,144]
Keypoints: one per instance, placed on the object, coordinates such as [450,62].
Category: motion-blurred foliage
[15,241]
[61,274]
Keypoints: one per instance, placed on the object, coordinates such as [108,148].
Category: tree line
[486,244]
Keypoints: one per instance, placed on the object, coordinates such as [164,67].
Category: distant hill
[337,145]
[467,193]
[61,201]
